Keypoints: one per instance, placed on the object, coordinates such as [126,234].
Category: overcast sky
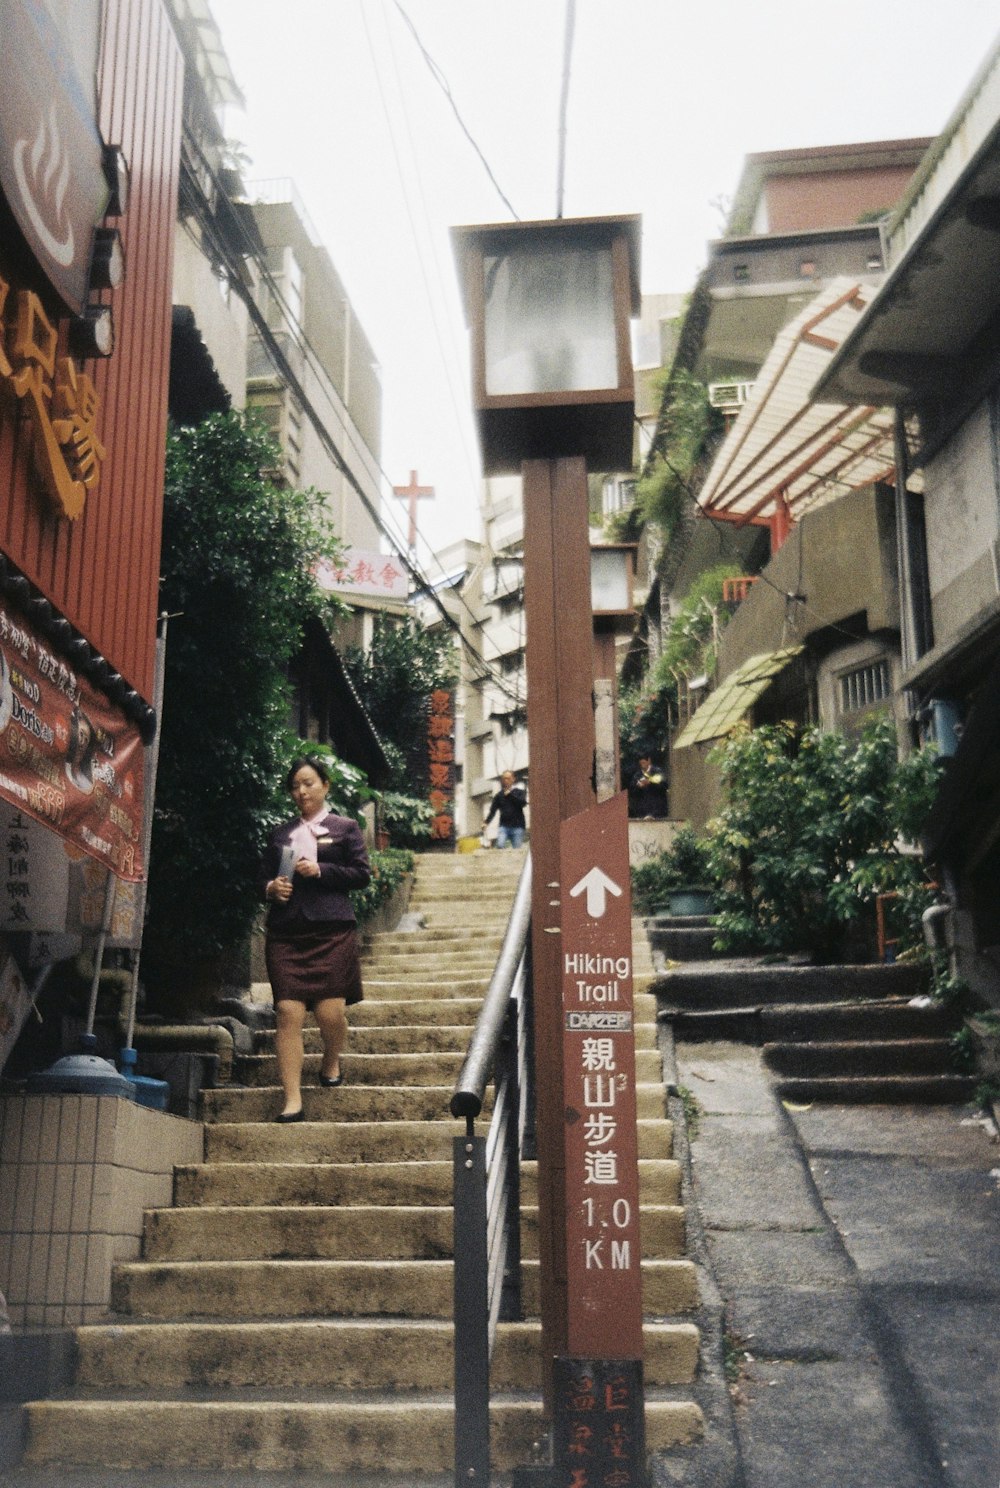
[666,98]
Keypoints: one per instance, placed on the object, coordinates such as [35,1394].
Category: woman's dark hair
[314,761]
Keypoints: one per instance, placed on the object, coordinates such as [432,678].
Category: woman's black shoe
[329,1084]
[283,1120]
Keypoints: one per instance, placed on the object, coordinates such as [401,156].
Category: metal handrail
[476,1072]
[487,1194]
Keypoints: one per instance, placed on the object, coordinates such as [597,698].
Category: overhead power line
[223,251]
[442,83]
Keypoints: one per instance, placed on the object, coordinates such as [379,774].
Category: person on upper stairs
[508,803]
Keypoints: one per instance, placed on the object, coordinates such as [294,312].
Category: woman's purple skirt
[314,963]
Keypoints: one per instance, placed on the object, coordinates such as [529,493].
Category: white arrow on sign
[598,886]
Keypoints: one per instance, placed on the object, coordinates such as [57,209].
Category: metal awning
[785,453]
[732,699]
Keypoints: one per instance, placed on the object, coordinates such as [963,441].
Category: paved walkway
[856,1253]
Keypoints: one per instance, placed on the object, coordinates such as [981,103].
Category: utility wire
[223,253]
[564,102]
[442,83]
[389,529]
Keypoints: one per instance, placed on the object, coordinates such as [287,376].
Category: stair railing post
[471,1283]
[510,1301]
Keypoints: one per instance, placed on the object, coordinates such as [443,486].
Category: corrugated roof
[782,446]
[732,699]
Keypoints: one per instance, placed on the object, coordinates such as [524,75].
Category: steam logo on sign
[48,180]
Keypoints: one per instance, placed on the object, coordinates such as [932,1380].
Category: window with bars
[863,686]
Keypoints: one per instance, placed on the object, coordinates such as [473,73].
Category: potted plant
[690,893]
[678,881]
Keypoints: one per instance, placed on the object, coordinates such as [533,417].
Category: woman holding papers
[309,866]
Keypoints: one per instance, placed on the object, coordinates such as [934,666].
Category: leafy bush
[349,789]
[237,561]
[394,681]
[407,819]
[389,868]
[685,864]
[813,830]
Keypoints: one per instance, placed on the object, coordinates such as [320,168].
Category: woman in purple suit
[307,871]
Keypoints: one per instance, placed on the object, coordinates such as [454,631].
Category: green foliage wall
[394,681]
[812,831]
[238,554]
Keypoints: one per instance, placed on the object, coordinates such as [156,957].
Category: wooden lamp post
[549,305]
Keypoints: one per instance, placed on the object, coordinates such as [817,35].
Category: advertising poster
[68,758]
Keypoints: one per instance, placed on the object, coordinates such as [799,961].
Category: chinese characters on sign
[600,1439]
[60,402]
[441,764]
[602,1183]
[378,575]
[68,759]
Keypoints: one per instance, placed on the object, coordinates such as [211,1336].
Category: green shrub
[813,830]
[407,819]
[389,868]
[236,578]
[685,864]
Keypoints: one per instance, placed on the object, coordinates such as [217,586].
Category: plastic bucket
[468,844]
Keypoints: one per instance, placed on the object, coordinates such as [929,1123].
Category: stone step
[886,1019]
[400,961]
[682,942]
[370,1141]
[834,1058]
[360,1069]
[402,1038]
[337,1355]
[916,1090]
[449,937]
[360,1232]
[396,1068]
[357,1435]
[347,1103]
[732,986]
[354,1183]
[352,1102]
[736,1025]
[328,1289]
[421,987]
[416,1011]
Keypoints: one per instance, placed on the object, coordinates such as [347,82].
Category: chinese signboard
[54,892]
[61,403]
[441,764]
[375,575]
[599,1438]
[68,759]
[602,1183]
[51,162]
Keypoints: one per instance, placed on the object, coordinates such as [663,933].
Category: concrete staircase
[852,1033]
[290,1317]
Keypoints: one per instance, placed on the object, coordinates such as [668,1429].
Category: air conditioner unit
[729,396]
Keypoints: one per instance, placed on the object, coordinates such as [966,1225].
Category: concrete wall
[76,1173]
[221,320]
[834,198]
[962,517]
[842,557]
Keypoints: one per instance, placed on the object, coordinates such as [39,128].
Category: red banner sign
[441,764]
[602,1170]
[68,757]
